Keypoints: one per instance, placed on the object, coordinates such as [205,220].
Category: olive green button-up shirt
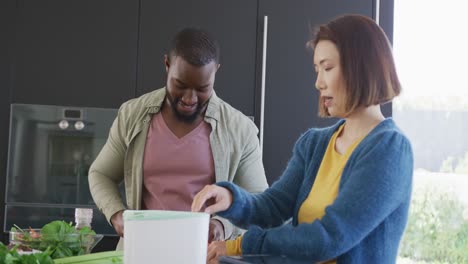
[233,140]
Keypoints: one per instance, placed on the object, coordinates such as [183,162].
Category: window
[431,54]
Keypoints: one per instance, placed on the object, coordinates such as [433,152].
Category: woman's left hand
[215,250]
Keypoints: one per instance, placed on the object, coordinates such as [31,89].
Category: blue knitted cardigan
[363,225]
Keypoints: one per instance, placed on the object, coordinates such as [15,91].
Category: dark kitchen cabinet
[290,95]
[75,53]
[6,33]
[232,23]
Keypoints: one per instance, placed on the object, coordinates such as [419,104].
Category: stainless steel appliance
[50,151]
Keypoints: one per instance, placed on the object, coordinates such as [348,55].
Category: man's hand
[118,223]
[216,232]
[222,199]
[215,250]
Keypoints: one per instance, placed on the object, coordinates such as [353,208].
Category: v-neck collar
[350,148]
[174,137]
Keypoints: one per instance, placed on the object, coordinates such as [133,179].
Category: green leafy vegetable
[62,238]
[8,256]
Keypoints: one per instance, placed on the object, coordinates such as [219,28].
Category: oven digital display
[72,113]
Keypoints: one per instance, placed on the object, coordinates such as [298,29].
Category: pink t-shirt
[175,169]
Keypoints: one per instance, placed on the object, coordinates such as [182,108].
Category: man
[168,144]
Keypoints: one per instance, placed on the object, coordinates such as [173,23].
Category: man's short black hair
[195,46]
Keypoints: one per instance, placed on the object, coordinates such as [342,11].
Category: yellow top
[325,188]
[323,192]
[233,247]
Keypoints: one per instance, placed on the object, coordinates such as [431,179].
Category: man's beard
[185,118]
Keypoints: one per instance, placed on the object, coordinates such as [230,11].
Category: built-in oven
[50,151]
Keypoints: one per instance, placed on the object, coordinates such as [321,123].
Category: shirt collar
[157,99]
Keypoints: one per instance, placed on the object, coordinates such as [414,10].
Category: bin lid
[138,215]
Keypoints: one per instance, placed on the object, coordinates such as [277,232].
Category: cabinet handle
[262,92]
[377,12]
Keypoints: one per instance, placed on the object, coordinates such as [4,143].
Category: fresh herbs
[8,256]
[62,238]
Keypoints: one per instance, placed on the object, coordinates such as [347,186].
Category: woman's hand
[215,250]
[222,198]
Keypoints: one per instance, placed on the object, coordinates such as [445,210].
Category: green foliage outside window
[452,165]
[437,230]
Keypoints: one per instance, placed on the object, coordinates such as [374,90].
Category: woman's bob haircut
[366,61]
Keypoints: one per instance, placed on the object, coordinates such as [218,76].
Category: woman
[347,187]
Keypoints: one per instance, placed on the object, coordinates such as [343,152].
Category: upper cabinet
[80,53]
[232,23]
[6,32]
[290,95]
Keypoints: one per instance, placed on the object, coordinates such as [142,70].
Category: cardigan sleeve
[274,206]
[375,182]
